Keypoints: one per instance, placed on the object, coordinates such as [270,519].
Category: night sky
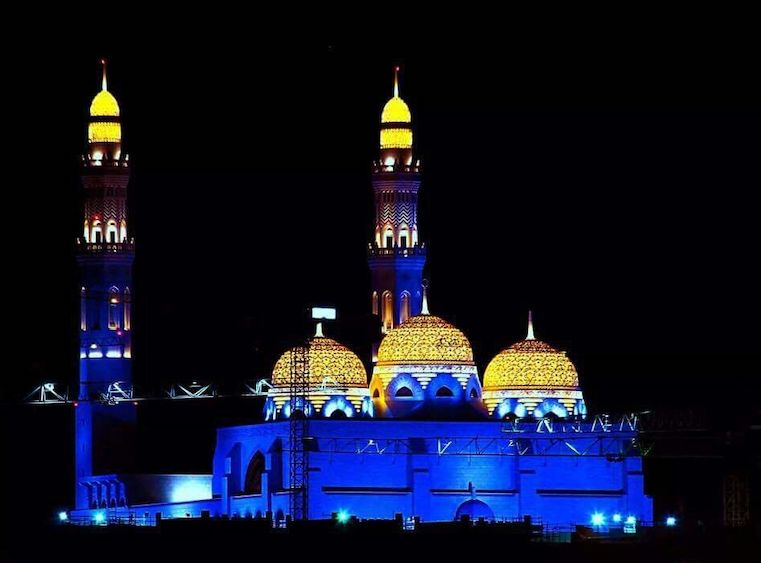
[609,186]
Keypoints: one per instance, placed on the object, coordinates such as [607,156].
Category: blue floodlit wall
[374,469]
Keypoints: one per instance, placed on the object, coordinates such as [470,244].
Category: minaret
[396,256]
[104,432]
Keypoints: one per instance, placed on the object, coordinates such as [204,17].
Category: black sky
[609,186]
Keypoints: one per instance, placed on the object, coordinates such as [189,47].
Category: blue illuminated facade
[427,437]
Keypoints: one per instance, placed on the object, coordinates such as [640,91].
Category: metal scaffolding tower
[299,428]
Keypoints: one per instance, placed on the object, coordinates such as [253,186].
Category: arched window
[87,231]
[113,308]
[404,392]
[376,394]
[375,303]
[404,237]
[388,311]
[444,391]
[83,309]
[127,309]
[338,413]
[404,307]
[253,483]
[97,233]
[388,238]
[111,234]
[473,394]
[123,231]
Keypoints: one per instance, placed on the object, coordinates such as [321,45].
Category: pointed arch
[123,231]
[256,468]
[83,309]
[127,309]
[112,234]
[375,303]
[113,308]
[388,238]
[97,232]
[388,311]
[404,306]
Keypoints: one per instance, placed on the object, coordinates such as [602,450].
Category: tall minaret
[104,432]
[396,256]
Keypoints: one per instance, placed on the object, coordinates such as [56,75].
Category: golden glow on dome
[104,132]
[530,364]
[425,339]
[396,111]
[327,359]
[104,105]
[396,138]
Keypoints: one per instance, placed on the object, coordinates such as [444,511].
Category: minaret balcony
[417,250]
[105,247]
[395,168]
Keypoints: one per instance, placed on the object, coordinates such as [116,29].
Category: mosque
[426,438]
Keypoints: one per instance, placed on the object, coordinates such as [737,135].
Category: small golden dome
[327,359]
[425,339]
[396,111]
[530,364]
[104,105]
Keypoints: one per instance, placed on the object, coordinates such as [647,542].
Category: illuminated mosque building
[424,437]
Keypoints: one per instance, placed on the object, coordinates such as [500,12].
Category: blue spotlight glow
[342,517]
[671,521]
[598,519]
[99,517]
[63,516]
[617,518]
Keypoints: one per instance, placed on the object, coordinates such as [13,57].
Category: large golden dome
[425,339]
[327,359]
[530,364]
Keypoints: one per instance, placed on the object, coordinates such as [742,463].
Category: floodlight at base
[598,519]
[99,517]
[63,516]
[343,517]
[671,521]
[617,518]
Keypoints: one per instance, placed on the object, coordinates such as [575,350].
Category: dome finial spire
[424,308]
[104,84]
[396,82]
[530,332]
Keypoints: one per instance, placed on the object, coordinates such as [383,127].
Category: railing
[105,247]
[379,167]
[397,251]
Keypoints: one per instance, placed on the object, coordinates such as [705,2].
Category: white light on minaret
[396,82]
[104,83]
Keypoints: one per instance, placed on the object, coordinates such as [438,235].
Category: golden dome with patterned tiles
[329,361]
[423,340]
[530,364]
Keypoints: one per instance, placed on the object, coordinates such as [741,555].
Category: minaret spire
[104,84]
[530,332]
[396,82]
[424,308]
